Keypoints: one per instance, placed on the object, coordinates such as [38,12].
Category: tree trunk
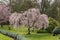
[1,26]
[9,28]
[28,27]
[33,29]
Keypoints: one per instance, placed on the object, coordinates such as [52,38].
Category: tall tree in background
[45,4]
[50,9]
[21,5]
[45,7]
[53,10]
[57,3]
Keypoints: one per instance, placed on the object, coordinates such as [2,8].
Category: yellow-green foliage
[52,24]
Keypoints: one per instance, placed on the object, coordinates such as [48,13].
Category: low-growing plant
[52,24]
[42,31]
[56,31]
[20,37]
[13,35]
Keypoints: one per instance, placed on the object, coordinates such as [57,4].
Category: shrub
[52,24]
[20,37]
[56,31]
[13,35]
[3,32]
[42,31]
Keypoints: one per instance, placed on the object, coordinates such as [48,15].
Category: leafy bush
[42,31]
[20,37]
[3,32]
[56,31]
[13,35]
[52,24]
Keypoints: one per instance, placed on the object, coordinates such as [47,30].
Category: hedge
[13,35]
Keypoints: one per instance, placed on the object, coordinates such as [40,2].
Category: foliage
[45,5]
[42,31]
[22,5]
[52,24]
[53,10]
[14,19]
[13,35]
[20,37]
[50,8]
[56,31]
[34,19]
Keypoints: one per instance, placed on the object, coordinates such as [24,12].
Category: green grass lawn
[3,37]
[33,36]
[42,36]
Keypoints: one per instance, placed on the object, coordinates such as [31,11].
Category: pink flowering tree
[4,14]
[14,19]
[34,19]
[42,21]
[29,17]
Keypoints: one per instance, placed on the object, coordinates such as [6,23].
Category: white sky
[40,1]
[5,1]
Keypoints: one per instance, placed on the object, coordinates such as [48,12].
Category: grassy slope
[34,35]
[3,37]
[42,37]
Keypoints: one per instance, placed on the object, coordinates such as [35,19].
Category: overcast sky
[5,1]
[40,1]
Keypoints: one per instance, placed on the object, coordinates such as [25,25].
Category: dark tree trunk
[29,30]
[33,29]
[8,25]
[33,26]
[28,27]
[9,28]
[1,26]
